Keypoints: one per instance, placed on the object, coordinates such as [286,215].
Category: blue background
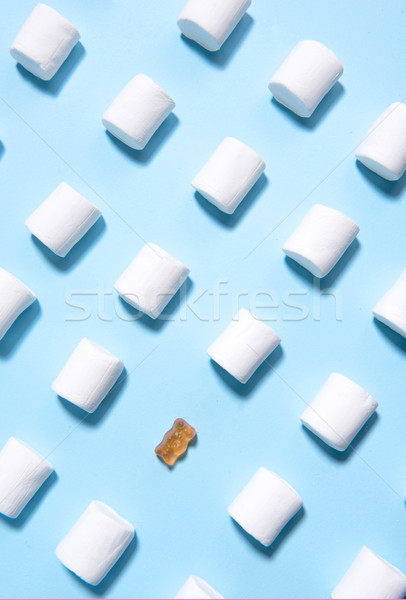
[52,132]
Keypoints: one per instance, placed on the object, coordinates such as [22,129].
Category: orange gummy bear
[175,441]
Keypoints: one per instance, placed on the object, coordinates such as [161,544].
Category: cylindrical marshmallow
[62,219]
[383,149]
[95,542]
[22,472]
[391,308]
[151,280]
[265,506]
[137,112]
[15,297]
[210,22]
[321,239]
[243,346]
[44,42]
[88,376]
[196,588]
[305,77]
[370,576]
[229,174]
[339,411]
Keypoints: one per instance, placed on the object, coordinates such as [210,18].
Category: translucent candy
[175,441]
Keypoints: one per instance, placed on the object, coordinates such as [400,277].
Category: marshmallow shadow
[2,148]
[394,338]
[167,315]
[160,137]
[390,189]
[329,100]
[222,57]
[93,419]
[19,330]
[269,551]
[55,85]
[331,278]
[78,251]
[32,505]
[230,221]
[344,456]
[104,586]
[245,389]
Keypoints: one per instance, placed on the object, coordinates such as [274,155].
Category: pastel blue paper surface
[52,132]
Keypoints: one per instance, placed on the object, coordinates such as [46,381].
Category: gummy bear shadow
[336,272]
[390,189]
[245,389]
[230,221]
[222,57]
[330,99]
[269,551]
[93,419]
[105,585]
[337,455]
[79,250]
[32,505]
[54,86]
[19,330]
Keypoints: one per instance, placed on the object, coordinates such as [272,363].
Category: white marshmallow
[321,239]
[196,588]
[339,411]
[151,280]
[370,576]
[22,472]
[391,308]
[305,77]
[229,174]
[137,112]
[44,42]
[265,506]
[209,22]
[95,542]
[62,219]
[15,297]
[383,149]
[88,376]
[243,346]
